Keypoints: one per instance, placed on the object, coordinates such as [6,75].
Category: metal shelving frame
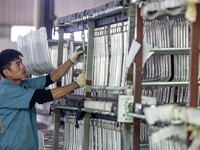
[89,22]
[193,83]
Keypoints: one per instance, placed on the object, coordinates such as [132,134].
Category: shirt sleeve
[41,96]
[34,83]
[48,80]
[19,97]
[16,97]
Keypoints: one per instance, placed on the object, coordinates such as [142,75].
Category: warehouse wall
[63,7]
[21,12]
[14,12]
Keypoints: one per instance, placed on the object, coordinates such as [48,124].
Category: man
[18,96]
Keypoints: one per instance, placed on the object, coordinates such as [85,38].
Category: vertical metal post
[131,31]
[60,50]
[89,63]
[194,61]
[37,13]
[193,87]
[137,78]
[90,49]
[56,128]
[126,143]
[57,111]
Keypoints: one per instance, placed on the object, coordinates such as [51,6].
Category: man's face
[16,70]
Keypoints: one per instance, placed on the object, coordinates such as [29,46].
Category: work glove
[194,131]
[77,55]
[81,80]
[191,10]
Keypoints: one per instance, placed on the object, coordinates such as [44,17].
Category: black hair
[6,57]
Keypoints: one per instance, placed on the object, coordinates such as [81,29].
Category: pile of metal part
[34,47]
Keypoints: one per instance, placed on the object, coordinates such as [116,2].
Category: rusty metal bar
[194,62]
[138,77]
[193,87]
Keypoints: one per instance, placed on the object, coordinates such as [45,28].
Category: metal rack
[86,21]
[193,83]
[89,22]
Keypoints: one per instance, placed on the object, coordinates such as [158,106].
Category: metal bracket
[123,109]
[124,102]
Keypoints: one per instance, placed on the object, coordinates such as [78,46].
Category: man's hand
[81,80]
[77,55]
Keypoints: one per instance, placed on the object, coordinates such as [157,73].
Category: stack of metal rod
[155,8]
[48,139]
[109,59]
[34,47]
[110,54]
[176,122]
[109,78]
[103,134]
[105,131]
[167,32]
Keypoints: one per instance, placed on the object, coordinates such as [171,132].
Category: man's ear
[6,72]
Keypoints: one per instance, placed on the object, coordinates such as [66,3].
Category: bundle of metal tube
[34,47]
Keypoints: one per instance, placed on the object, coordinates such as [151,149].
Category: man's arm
[58,73]
[42,96]
[64,90]
[62,69]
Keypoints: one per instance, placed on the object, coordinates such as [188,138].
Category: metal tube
[166,83]
[87,110]
[171,51]
[56,128]
[103,14]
